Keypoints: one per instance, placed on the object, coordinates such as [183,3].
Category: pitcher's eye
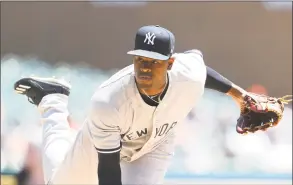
[140,60]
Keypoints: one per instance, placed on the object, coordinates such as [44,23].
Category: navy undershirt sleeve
[109,171]
[216,81]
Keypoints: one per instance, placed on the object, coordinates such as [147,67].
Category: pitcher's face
[150,73]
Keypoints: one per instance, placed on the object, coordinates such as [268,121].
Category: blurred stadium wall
[250,43]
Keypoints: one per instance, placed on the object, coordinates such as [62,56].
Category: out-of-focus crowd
[206,143]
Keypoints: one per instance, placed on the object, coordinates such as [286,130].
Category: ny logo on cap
[149,38]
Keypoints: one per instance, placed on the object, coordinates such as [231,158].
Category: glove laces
[285,100]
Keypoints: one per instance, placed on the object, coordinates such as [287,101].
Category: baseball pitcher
[128,135]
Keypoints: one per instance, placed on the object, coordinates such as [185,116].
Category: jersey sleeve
[103,125]
[190,66]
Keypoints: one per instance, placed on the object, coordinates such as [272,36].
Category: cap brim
[148,54]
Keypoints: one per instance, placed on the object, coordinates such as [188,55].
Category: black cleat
[36,88]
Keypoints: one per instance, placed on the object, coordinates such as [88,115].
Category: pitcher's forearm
[221,84]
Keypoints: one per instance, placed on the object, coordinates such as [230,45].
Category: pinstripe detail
[108,151]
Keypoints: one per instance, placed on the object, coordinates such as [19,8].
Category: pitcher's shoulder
[189,66]
[119,76]
[115,90]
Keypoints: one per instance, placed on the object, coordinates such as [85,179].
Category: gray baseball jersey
[121,120]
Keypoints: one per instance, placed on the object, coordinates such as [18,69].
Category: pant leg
[57,136]
[151,168]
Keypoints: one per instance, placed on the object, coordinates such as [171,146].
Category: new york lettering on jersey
[164,129]
[135,120]
[187,79]
[160,131]
[135,135]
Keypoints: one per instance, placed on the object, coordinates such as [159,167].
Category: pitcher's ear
[170,63]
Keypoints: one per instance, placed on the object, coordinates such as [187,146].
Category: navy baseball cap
[154,42]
